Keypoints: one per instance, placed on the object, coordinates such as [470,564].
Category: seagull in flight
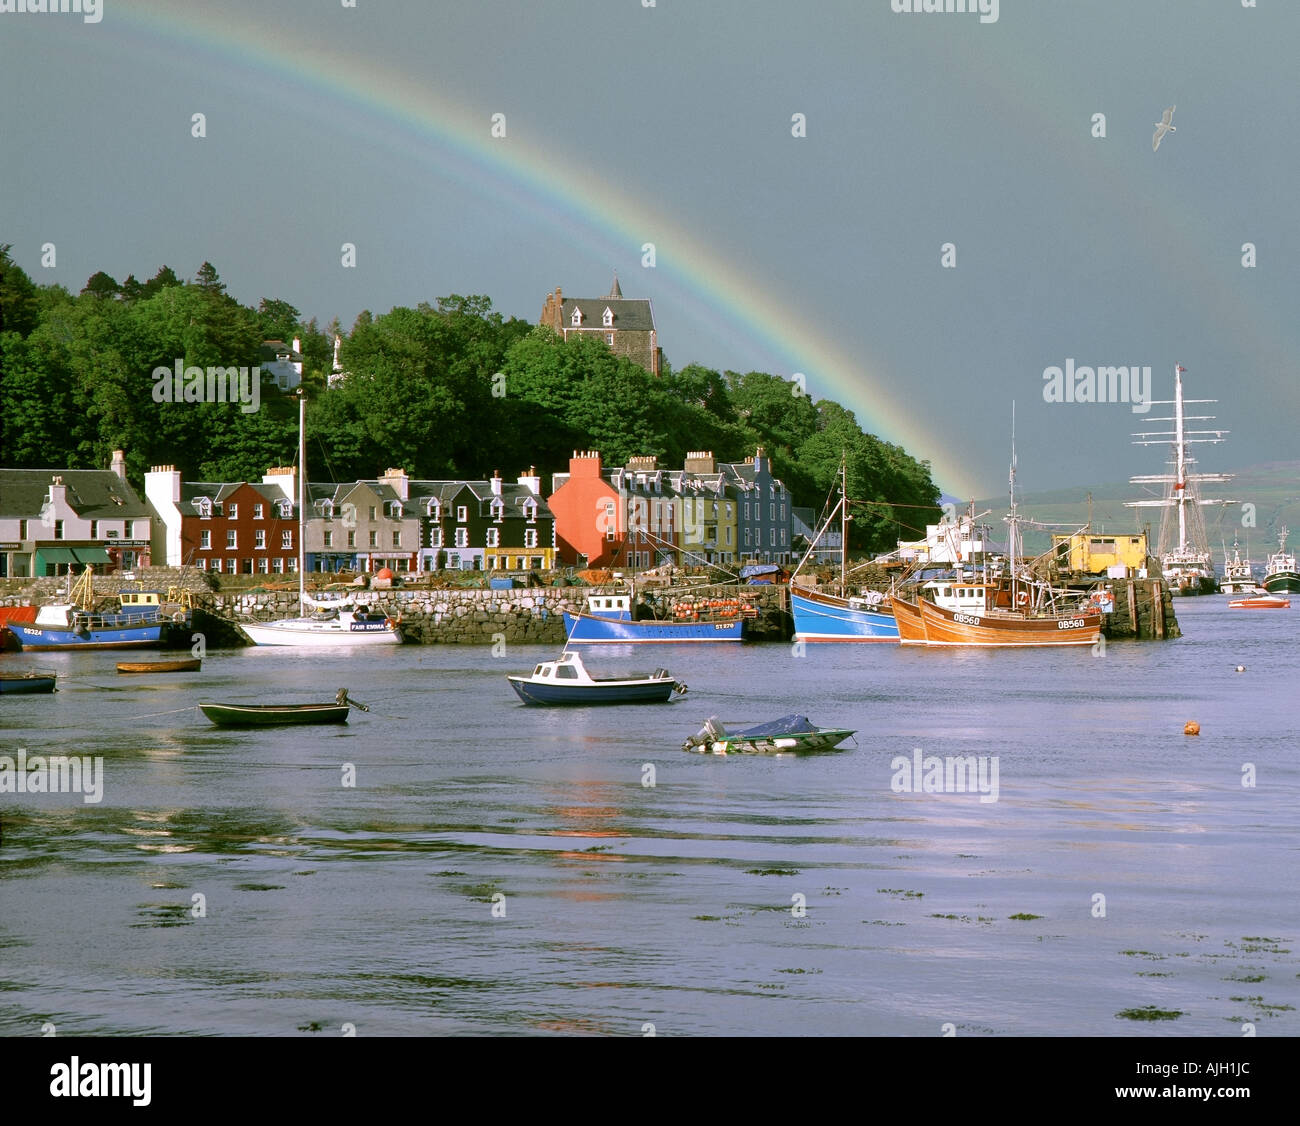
[1163,126]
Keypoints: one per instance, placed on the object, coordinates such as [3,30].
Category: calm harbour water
[670,904]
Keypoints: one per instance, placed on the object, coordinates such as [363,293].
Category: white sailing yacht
[1183,547]
[345,627]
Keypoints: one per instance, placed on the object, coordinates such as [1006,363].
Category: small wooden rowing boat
[281,715]
[27,683]
[191,665]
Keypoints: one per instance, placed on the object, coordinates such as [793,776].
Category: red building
[238,529]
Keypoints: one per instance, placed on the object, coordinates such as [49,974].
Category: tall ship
[1280,573]
[1183,547]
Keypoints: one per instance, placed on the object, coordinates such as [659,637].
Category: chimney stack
[118,465]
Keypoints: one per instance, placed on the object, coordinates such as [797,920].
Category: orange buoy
[1191,727]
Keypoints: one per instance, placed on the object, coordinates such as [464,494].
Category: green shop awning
[57,554]
[96,555]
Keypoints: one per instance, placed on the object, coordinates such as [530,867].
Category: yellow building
[1090,553]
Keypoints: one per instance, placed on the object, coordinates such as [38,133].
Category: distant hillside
[1272,487]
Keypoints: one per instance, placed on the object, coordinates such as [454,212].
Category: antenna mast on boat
[844,524]
[302,495]
[1013,535]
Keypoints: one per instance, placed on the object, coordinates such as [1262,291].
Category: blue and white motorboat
[567,681]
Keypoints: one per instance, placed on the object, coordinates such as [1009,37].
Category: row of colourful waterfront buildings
[631,517]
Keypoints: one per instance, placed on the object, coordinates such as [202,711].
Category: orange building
[588,530]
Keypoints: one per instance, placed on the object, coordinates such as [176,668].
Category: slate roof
[93,494]
[630,314]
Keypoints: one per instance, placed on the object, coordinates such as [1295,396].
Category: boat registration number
[721,625]
[966,619]
[1072,623]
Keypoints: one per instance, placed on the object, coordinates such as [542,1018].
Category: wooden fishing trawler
[998,607]
[74,624]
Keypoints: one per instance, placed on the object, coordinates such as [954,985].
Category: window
[462,514]
[285,508]
[258,512]
[329,539]
[205,539]
[498,509]
[728,535]
[576,319]
[746,510]
[205,507]
[530,537]
[286,540]
[609,338]
[372,512]
[352,539]
[259,539]
[435,510]
[232,510]
[397,539]
[232,538]
[608,319]
[746,537]
[94,529]
[771,511]
[216,565]
[58,529]
[374,539]
[462,537]
[293,566]
[232,565]
[202,564]
[494,537]
[277,565]
[453,562]
[435,537]
[263,565]
[22,529]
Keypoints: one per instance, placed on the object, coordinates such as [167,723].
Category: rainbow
[416,121]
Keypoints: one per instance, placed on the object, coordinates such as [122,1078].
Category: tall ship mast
[1183,546]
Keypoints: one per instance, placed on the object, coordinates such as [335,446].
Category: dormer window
[434,510]
[576,319]
[395,510]
[284,509]
[498,510]
[204,505]
[608,318]
[325,508]
[530,511]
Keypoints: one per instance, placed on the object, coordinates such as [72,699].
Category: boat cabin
[610,606]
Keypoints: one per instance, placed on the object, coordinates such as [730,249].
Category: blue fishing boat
[820,616]
[65,626]
[141,621]
[828,617]
[609,621]
[567,681]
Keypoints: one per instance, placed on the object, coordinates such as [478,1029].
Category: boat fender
[389,623]
[680,688]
